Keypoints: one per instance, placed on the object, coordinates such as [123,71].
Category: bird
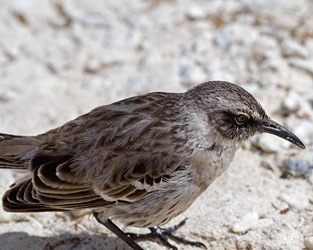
[141,161]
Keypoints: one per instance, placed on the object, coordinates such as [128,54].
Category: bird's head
[235,115]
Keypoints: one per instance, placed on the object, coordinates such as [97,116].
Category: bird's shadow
[63,241]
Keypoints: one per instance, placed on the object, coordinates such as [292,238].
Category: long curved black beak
[274,128]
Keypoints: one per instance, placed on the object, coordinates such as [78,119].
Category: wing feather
[46,192]
[119,152]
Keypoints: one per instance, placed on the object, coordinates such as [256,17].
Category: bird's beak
[274,128]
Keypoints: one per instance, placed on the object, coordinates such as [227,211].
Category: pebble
[308,242]
[33,225]
[297,201]
[304,130]
[108,58]
[196,12]
[253,88]
[306,65]
[297,166]
[7,94]
[270,143]
[236,34]
[306,110]
[293,48]
[249,222]
[6,217]
[281,206]
[290,103]
[268,164]
[190,72]
[267,47]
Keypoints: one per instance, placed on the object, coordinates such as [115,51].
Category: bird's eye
[241,119]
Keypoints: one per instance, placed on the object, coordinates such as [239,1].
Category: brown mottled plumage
[142,160]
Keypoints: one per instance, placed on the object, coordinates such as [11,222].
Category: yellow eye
[241,119]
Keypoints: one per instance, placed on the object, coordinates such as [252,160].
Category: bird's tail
[15,151]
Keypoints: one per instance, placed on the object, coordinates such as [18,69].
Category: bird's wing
[46,190]
[132,146]
[118,152]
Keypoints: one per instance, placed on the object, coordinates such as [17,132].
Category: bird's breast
[207,165]
[178,192]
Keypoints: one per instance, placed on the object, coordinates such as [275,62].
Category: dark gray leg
[119,233]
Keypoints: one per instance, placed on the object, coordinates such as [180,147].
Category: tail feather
[15,151]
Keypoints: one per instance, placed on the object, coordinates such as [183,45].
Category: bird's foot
[164,234]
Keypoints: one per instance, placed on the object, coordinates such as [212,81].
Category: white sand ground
[60,59]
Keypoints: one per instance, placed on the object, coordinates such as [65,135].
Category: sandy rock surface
[60,59]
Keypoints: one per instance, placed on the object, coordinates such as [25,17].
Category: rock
[297,201]
[304,130]
[281,206]
[253,88]
[293,48]
[274,70]
[308,242]
[195,12]
[306,110]
[108,58]
[6,217]
[249,222]
[268,164]
[266,47]
[236,34]
[297,167]
[191,73]
[306,65]
[33,224]
[290,103]
[217,74]
[6,94]
[26,12]
[270,144]
[6,177]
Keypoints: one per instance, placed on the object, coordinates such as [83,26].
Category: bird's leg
[111,226]
[163,234]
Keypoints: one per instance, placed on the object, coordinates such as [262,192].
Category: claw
[164,234]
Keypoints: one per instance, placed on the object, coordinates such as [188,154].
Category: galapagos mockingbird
[142,160]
